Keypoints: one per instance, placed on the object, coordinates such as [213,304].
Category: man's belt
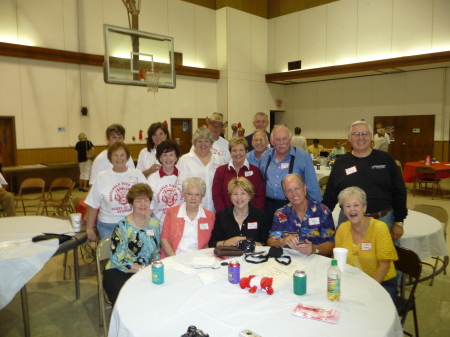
[276,200]
[378,215]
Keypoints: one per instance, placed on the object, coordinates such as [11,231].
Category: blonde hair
[235,141]
[243,183]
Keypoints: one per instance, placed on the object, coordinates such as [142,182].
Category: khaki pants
[7,202]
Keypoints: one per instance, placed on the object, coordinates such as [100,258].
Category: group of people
[217,196]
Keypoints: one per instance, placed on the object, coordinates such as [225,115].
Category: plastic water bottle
[334,282]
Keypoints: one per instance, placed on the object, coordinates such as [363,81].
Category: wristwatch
[317,250]
[140,268]
[399,223]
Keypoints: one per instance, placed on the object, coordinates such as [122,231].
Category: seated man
[316,148]
[6,198]
[338,149]
[304,224]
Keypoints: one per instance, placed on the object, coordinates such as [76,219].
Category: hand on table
[306,248]
[234,241]
[290,241]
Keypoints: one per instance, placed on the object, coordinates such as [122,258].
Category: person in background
[147,162]
[386,135]
[114,133]
[241,220]
[338,149]
[165,184]
[376,173]
[283,159]
[234,128]
[187,227]
[368,241]
[201,162]
[315,149]
[260,143]
[109,193]
[299,141]
[6,198]
[380,142]
[241,132]
[220,145]
[135,242]
[260,122]
[84,162]
[237,167]
[303,224]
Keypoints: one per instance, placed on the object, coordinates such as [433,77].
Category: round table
[409,170]
[323,172]
[224,309]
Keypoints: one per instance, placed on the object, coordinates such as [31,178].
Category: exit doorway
[181,131]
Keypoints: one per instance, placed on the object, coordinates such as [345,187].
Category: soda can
[234,271]
[318,166]
[300,282]
[158,272]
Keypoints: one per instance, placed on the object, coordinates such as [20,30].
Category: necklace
[141,224]
[240,216]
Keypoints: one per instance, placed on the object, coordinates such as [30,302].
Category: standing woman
[109,193]
[147,162]
[84,162]
[202,163]
[165,184]
[237,167]
[135,242]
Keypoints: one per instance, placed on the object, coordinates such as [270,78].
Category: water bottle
[334,282]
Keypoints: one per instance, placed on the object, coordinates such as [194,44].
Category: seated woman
[238,166]
[240,221]
[135,242]
[368,241]
[187,227]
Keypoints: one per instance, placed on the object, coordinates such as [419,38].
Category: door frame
[12,121]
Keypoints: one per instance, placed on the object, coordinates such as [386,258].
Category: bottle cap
[334,262]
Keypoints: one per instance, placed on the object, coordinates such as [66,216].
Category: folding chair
[427,175]
[32,184]
[61,206]
[409,264]
[323,183]
[104,304]
[440,214]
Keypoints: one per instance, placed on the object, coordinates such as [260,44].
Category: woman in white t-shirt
[165,184]
[147,162]
[109,193]
[202,163]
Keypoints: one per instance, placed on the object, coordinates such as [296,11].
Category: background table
[224,309]
[409,170]
[323,172]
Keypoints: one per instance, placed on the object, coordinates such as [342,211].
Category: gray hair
[264,133]
[359,122]
[196,182]
[353,191]
[293,175]
[261,114]
[202,132]
[280,126]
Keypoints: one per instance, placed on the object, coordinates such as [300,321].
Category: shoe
[80,189]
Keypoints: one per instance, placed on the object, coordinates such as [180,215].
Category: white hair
[359,122]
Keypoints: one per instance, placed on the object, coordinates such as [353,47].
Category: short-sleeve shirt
[375,246]
[317,225]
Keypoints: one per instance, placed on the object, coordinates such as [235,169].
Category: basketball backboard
[129,51]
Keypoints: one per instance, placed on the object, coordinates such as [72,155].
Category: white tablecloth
[20,258]
[224,309]
[423,234]
[323,172]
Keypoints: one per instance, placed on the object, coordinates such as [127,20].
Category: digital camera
[192,331]
[247,246]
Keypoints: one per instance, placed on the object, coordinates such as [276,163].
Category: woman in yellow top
[368,241]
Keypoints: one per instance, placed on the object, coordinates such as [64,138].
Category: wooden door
[181,131]
[8,141]
[413,136]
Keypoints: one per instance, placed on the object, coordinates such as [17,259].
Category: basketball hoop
[151,77]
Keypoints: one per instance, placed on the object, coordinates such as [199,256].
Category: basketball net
[151,77]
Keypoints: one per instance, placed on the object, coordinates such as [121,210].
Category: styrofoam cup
[340,254]
[75,219]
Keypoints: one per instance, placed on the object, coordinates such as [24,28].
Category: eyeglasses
[360,134]
[195,195]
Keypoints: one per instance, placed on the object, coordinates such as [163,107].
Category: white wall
[46,95]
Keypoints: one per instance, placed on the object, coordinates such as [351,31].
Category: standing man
[220,145]
[380,142]
[376,173]
[260,143]
[260,122]
[277,163]
[299,141]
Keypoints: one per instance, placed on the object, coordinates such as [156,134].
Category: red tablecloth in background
[81,208]
[409,170]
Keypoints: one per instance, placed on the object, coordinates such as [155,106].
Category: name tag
[284,166]
[366,245]
[314,221]
[248,173]
[252,225]
[351,170]
[204,226]
[150,232]
[133,180]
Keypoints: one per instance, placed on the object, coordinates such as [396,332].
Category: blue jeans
[105,229]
